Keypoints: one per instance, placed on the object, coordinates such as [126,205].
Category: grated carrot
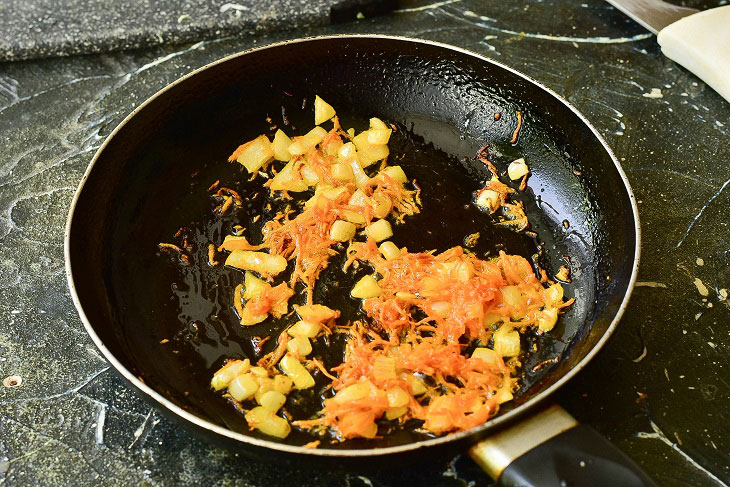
[272,358]
[396,347]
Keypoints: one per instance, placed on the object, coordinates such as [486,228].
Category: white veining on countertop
[163,59]
[143,427]
[7,217]
[17,100]
[76,388]
[699,214]
[426,7]
[68,446]
[658,434]
[550,37]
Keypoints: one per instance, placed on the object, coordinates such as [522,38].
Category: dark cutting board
[45,28]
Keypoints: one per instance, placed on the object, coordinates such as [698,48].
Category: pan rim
[480,431]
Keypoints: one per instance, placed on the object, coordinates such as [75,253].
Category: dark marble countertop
[660,390]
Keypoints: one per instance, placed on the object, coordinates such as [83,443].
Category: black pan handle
[550,449]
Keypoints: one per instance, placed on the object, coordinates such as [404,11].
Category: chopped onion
[397,397]
[281,145]
[365,288]
[378,136]
[546,319]
[396,173]
[353,392]
[376,123]
[488,355]
[389,250]
[267,422]
[243,387]
[261,262]
[489,200]
[228,372]
[255,154]
[253,286]
[507,341]
[299,346]
[342,172]
[517,169]
[272,400]
[323,111]
[282,384]
[296,371]
[379,230]
[304,328]
[342,231]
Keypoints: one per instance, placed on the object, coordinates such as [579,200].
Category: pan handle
[550,449]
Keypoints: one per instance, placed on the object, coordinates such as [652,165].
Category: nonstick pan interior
[152,177]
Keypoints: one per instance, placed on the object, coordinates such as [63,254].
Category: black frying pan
[151,177]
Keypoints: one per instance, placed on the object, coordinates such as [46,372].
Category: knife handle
[701,43]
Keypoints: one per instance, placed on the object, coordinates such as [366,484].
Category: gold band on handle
[496,452]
